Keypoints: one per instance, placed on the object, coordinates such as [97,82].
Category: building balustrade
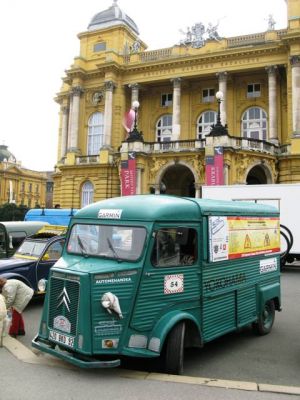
[87,160]
[236,143]
[167,53]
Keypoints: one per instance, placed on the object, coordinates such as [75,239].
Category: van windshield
[108,241]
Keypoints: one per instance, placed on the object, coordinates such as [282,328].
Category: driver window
[174,247]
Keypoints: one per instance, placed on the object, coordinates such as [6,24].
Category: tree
[12,212]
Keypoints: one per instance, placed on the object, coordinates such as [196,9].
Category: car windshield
[108,241]
[31,248]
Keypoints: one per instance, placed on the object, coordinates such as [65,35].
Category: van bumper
[84,362]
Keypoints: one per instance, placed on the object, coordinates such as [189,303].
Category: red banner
[128,174]
[214,163]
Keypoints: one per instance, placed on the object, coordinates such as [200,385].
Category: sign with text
[237,237]
[214,163]
[128,174]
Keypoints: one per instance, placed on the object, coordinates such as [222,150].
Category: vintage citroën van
[147,276]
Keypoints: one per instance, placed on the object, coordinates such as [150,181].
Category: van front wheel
[175,350]
[266,319]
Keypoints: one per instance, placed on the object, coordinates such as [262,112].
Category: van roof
[165,207]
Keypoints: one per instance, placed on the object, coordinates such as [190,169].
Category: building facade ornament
[156,164]
[109,86]
[197,35]
[77,91]
[295,61]
[176,82]
[135,47]
[222,76]
[97,98]
[65,110]
[271,69]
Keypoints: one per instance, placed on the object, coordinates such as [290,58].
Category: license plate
[61,338]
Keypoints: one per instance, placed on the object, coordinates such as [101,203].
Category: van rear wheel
[174,354]
[266,319]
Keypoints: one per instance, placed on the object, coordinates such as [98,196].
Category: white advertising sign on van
[218,238]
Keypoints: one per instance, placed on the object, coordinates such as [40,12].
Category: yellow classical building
[255,118]
[20,185]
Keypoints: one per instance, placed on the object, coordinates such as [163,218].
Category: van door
[170,279]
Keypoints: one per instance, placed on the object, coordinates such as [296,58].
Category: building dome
[110,17]
[6,155]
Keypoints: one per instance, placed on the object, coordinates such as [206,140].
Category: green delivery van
[148,276]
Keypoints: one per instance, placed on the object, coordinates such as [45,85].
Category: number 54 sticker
[173,284]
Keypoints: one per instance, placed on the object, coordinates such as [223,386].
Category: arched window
[204,123]
[164,128]
[87,193]
[254,123]
[95,133]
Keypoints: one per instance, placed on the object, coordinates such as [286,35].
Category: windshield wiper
[113,250]
[82,248]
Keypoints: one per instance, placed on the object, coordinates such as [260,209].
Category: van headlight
[42,285]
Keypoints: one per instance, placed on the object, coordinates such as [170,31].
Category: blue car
[35,256]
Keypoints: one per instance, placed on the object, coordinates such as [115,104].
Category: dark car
[35,256]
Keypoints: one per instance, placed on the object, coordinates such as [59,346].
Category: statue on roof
[212,32]
[271,23]
[197,35]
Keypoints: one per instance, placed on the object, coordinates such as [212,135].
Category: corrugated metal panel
[152,302]
[105,324]
[246,305]
[218,316]
[124,292]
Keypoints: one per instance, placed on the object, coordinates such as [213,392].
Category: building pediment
[12,169]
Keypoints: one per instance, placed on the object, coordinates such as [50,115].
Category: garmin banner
[214,163]
[128,174]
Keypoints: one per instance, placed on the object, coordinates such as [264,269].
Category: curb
[24,354]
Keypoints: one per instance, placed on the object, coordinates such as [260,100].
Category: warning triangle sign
[247,243]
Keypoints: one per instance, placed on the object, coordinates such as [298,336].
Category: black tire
[266,319]
[174,352]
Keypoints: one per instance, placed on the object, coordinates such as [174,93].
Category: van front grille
[64,302]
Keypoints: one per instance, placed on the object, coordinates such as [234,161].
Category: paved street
[240,357]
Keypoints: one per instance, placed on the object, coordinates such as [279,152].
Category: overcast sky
[38,41]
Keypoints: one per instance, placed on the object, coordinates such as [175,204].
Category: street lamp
[135,135]
[218,129]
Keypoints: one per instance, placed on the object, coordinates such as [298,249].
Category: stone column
[138,180]
[226,174]
[176,108]
[223,88]
[295,64]
[109,88]
[273,135]
[197,191]
[70,122]
[134,92]
[64,131]
[74,123]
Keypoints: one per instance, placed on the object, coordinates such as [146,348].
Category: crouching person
[17,295]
